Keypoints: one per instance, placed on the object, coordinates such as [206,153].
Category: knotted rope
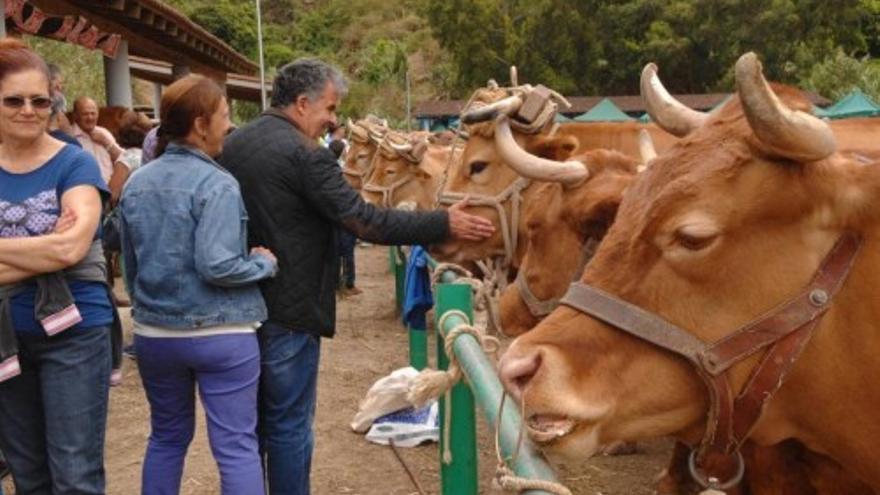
[431,384]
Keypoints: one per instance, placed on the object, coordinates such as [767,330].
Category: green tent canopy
[819,111]
[645,118]
[855,104]
[604,111]
[561,118]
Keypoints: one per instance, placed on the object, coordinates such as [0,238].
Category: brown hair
[16,57]
[183,102]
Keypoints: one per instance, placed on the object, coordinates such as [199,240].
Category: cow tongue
[547,427]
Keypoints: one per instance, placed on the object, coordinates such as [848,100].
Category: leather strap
[786,329]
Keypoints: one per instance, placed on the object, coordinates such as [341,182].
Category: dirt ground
[370,343]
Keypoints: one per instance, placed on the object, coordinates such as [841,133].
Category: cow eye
[390,171]
[477,167]
[693,242]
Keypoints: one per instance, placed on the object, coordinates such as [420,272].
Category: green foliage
[839,74]
[83,69]
[450,47]
[233,21]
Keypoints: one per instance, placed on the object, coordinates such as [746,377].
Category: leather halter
[509,225]
[785,331]
[539,308]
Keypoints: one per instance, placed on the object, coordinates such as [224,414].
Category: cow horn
[507,106]
[514,80]
[400,147]
[569,173]
[646,147]
[669,113]
[790,133]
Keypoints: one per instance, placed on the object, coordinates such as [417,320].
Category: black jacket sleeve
[328,191]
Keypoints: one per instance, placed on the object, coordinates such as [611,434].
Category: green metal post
[460,476]
[392,259]
[488,391]
[399,277]
[418,348]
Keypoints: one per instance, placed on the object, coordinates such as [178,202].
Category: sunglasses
[37,102]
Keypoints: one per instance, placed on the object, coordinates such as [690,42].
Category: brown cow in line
[724,226]
[563,223]
[364,137]
[483,175]
[408,169]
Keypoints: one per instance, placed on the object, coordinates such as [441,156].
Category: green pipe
[460,476]
[399,277]
[418,347]
[488,390]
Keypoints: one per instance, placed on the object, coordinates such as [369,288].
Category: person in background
[346,241]
[195,301]
[148,148]
[297,200]
[95,139]
[55,345]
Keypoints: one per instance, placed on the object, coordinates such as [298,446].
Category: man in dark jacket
[296,197]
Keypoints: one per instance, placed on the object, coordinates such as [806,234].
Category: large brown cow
[724,227]
[496,190]
[562,226]
[408,169]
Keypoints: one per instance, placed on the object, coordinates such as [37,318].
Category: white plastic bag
[387,395]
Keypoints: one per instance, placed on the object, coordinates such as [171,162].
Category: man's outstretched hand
[465,226]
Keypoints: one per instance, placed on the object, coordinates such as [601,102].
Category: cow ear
[421,173]
[553,147]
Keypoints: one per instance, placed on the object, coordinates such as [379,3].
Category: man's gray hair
[305,76]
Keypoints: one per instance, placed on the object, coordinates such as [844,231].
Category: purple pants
[227,370]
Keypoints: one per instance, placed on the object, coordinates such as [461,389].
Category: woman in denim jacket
[195,300]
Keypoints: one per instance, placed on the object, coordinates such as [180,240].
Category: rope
[431,384]
[505,478]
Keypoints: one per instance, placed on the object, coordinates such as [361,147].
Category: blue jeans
[288,392]
[227,369]
[346,243]
[53,415]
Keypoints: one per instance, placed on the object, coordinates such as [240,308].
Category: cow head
[726,224]
[485,175]
[563,225]
[407,170]
[364,138]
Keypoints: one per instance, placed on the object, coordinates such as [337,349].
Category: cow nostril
[516,373]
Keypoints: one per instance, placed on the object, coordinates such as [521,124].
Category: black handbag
[111,237]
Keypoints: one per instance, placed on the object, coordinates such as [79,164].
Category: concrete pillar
[117,77]
[157,99]
[3,18]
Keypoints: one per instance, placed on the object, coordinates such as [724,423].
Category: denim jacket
[184,243]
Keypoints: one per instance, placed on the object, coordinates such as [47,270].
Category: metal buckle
[709,482]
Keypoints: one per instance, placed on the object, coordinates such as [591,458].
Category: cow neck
[539,308]
[785,331]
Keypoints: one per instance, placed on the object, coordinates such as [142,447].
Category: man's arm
[335,199]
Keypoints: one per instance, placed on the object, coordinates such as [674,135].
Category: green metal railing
[460,476]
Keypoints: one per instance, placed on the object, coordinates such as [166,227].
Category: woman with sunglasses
[55,312]
[195,300]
